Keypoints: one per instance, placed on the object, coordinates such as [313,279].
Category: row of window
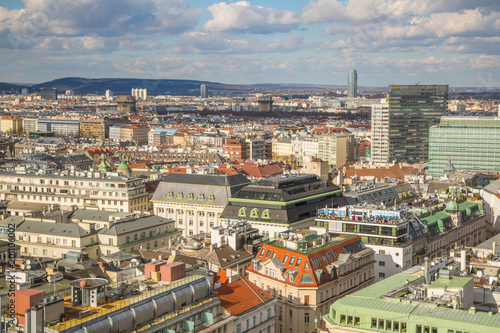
[266,213]
[190,196]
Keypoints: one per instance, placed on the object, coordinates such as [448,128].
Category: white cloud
[110,18]
[244,18]
[199,42]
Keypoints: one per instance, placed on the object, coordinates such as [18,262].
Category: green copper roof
[369,303]
[456,282]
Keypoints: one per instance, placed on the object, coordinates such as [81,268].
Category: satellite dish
[22,266]
[28,262]
[28,267]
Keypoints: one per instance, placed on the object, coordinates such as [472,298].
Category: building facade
[471,143]
[60,126]
[277,204]
[412,110]
[397,237]
[308,272]
[352,83]
[336,149]
[195,202]
[380,133]
[79,189]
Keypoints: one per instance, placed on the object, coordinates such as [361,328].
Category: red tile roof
[241,295]
[335,250]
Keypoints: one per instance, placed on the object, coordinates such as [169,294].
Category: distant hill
[174,87]
[124,86]
[9,88]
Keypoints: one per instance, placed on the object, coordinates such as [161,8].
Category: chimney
[463,260]
[426,271]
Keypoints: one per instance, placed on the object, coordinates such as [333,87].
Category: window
[349,320]
[374,323]
[306,299]
[201,197]
[342,319]
[254,213]
[356,321]
[298,262]
[381,275]
[381,263]
[380,324]
[266,214]
[395,326]
[170,195]
[317,261]
[190,196]
[286,259]
[329,256]
[403,327]
[306,318]
[381,252]
[306,266]
[292,261]
[238,328]
[419,328]
[211,198]
[179,196]
[388,325]
[291,313]
[324,259]
[242,212]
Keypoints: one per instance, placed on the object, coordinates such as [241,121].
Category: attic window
[211,198]
[254,213]
[201,197]
[170,195]
[190,196]
[179,196]
[242,212]
[266,214]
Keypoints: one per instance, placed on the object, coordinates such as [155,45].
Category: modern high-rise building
[49,94]
[203,91]
[352,83]
[401,133]
[380,132]
[471,143]
[140,94]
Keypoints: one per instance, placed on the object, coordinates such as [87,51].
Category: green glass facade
[472,143]
[412,110]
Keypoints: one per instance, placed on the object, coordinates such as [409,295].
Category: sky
[455,42]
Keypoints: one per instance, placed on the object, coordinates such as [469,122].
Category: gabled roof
[303,266]
[241,296]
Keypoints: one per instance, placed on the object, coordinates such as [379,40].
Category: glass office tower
[352,83]
[471,143]
[412,110]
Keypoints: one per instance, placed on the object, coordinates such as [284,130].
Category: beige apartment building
[86,189]
[92,232]
[308,272]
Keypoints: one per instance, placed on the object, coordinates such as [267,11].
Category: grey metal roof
[136,224]
[493,188]
[12,220]
[91,215]
[488,244]
[221,187]
[57,229]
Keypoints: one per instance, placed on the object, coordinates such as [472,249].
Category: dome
[451,206]
[449,167]
[124,168]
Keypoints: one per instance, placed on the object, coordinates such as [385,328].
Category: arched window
[266,214]
[190,196]
[170,195]
[254,213]
[179,196]
[211,198]
[201,197]
[242,212]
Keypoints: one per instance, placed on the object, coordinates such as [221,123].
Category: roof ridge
[249,286]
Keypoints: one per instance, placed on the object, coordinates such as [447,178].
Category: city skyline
[310,42]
